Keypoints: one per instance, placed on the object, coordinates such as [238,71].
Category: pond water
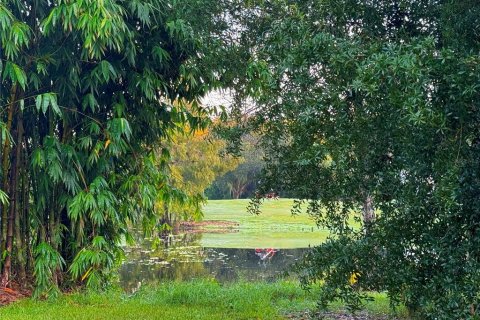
[185,258]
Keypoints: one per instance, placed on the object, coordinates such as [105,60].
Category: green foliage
[90,91]
[3,197]
[96,262]
[43,101]
[367,104]
[15,74]
[242,181]
[196,161]
[47,261]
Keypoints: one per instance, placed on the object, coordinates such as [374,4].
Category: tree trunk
[19,217]
[26,219]
[237,189]
[13,201]
[166,219]
[52,234]
[368,212]
[5,168]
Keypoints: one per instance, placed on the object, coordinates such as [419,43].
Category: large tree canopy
[86,96]
[372,106]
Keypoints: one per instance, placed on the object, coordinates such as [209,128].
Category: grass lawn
[181,300]
[275,227]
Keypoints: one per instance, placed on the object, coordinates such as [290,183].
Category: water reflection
[265,254]
[182,258]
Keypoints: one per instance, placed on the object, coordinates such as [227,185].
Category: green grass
[187,300]
[181,300]
[275,227]
[380,305]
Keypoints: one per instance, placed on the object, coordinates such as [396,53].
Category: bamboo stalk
[13,201]
[19,203]
[5,168]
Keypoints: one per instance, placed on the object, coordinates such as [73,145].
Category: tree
[373,105]
[86,94]
[195,162]
[240,182]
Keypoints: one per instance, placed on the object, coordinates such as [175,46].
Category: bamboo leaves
[161,54]
[103,73]
[179,29]
[3,197]
[15,74]
[6,18]
[5,134]
[89,101]
[94,261]
[16,37]
[89,88]
[142,11]
[47,261]
[119,127]
[43,101]
[97,202]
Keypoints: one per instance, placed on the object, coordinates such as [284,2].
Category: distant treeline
[241,182]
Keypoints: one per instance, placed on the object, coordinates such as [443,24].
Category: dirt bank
[211,226]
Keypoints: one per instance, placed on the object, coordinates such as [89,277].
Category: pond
[229,244]
[186,259]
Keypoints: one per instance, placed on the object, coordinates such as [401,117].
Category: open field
[275,227]
[184,300]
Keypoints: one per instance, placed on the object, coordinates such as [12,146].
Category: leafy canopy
[87,91]
[373,106]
